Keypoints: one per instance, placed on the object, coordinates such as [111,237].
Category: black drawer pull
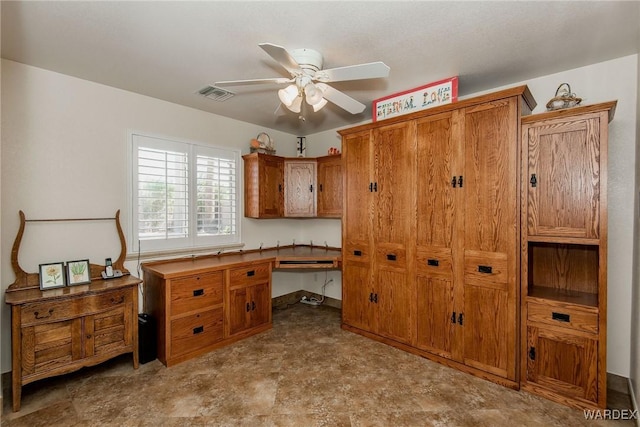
[198,330]
[251,273]
[391,257]
[486,269]
[198,292]
[433,262]
[37,314]
[561,317]
[357,253]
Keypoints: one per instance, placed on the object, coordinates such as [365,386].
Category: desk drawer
[249,275]
[565,316]
[197,331]
[196,292]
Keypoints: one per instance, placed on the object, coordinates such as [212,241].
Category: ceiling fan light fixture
[296,104]
[312,94]
[288,95]
[317,107]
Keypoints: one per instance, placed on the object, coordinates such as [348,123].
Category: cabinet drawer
[196,292]
[46,312]
[196,331]
[250,275]
[488,268]
[563,315]
[434,262]
[391,257]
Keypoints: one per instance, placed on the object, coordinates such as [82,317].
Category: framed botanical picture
[52,275]
[78,272]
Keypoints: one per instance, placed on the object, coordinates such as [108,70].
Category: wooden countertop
[22,296]
[290,257]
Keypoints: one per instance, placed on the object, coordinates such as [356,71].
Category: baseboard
[634,402]
[617,383]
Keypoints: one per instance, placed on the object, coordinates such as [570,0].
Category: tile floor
[306,371]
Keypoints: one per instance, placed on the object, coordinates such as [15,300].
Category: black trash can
[147,344]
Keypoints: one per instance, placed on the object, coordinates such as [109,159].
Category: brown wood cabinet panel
[263,186]
[436,317]
[357,296]
[393,298]
[564,183]
[329,182]
[249,274]
[299,188]
[196,292]
[195,331]
[358,197]
[249,307]
[563,362]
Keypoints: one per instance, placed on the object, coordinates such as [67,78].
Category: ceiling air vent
[215,93]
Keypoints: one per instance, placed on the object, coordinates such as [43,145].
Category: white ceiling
[169,50]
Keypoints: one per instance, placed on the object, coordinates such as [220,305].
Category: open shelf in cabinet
[563,272]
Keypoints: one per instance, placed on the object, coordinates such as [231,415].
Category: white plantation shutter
[184,194]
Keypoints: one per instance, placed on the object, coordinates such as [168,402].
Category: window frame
[192,149]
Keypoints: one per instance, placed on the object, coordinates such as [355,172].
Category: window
[184,194]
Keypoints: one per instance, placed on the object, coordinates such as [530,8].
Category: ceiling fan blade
[342,100]
[371,70]
[283,57]
[275,80]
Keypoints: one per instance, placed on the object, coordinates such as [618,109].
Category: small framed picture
[78,272]
[52,275]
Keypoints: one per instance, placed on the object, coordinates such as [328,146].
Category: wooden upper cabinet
[329,183]
[564,177]
[263,186]
[299,188]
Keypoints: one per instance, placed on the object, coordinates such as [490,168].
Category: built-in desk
[202,303]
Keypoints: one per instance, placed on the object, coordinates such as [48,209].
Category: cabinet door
[356,233]
[562,362]
[109,331]
[438,145]
[299,191]
[49,346]
[239,310]
[329,179]
[260,305]
[393,185]
[490,238]
[271,187]
[564,178]
[393,300]
[357,297]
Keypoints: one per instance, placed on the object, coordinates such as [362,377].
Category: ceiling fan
[309,81]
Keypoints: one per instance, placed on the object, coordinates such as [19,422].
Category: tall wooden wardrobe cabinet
[564,241]
[431,249]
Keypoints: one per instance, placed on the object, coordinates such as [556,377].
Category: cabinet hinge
[453,317]
[454,181]
[460,319]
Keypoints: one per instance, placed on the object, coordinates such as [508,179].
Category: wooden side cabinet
[263,186]
[564,259]
[62,330]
